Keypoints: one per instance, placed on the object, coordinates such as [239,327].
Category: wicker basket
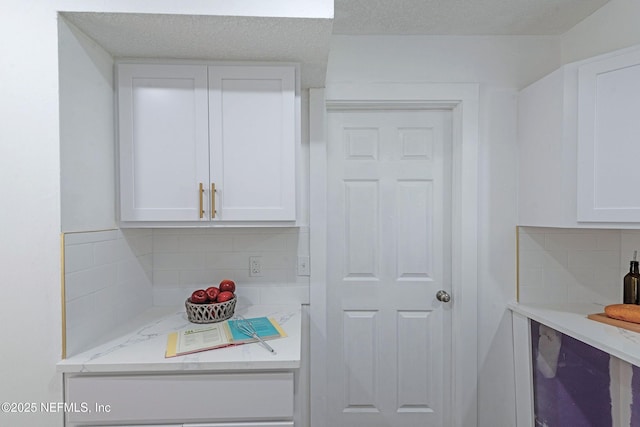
[210,313]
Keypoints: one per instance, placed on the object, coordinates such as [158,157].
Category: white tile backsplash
[110,276]
[78,257]
[630,242]
[184,260]
[107,281]
[574,265]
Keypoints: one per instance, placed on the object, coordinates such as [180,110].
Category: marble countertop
[139,345]
[571,320]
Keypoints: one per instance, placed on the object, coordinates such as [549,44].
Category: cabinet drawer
[249,424]
[233,424]
[180,398]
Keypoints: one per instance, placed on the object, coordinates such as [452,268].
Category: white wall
[502,65]
[87,140]
[511,62]
[30,216]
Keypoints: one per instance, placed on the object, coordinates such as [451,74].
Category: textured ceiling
[461,17]
[224,38]
[307,40]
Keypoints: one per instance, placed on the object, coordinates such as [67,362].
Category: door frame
[462,100]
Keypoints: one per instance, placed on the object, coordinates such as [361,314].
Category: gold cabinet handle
[213,200]
[201,194]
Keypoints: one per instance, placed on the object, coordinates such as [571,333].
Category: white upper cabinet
[252,134]
[579,144]
[546,148]
[164,141]
[609,139]
[206,144]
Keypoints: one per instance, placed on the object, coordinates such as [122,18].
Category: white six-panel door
[388,244]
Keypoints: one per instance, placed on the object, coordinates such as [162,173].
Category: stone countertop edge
[140,344]
[571,320]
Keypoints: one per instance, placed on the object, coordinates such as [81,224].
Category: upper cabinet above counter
[93,40]
[206,145]
[609,139]
[579,145]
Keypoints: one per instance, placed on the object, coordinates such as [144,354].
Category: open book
[218,335]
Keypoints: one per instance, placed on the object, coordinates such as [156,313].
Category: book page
[201,338]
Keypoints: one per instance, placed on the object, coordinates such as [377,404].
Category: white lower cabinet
[263,399]
[259,424]
[265,424]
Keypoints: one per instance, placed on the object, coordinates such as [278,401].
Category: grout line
[517,263]
[63,299]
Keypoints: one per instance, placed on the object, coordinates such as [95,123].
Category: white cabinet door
[233,424]
[164,148]
[200,148]
[253,145]
[126,425]
[181,398]
[609,139]
[252,424]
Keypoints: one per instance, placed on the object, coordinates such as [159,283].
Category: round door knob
[443,296]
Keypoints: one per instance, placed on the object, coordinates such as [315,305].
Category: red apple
[212,293]
[227,285]
[199,296]
[225,296]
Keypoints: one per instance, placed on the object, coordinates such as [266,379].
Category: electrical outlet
[303,266]
[255,266]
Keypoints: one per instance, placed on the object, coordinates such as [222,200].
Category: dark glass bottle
[631,284]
